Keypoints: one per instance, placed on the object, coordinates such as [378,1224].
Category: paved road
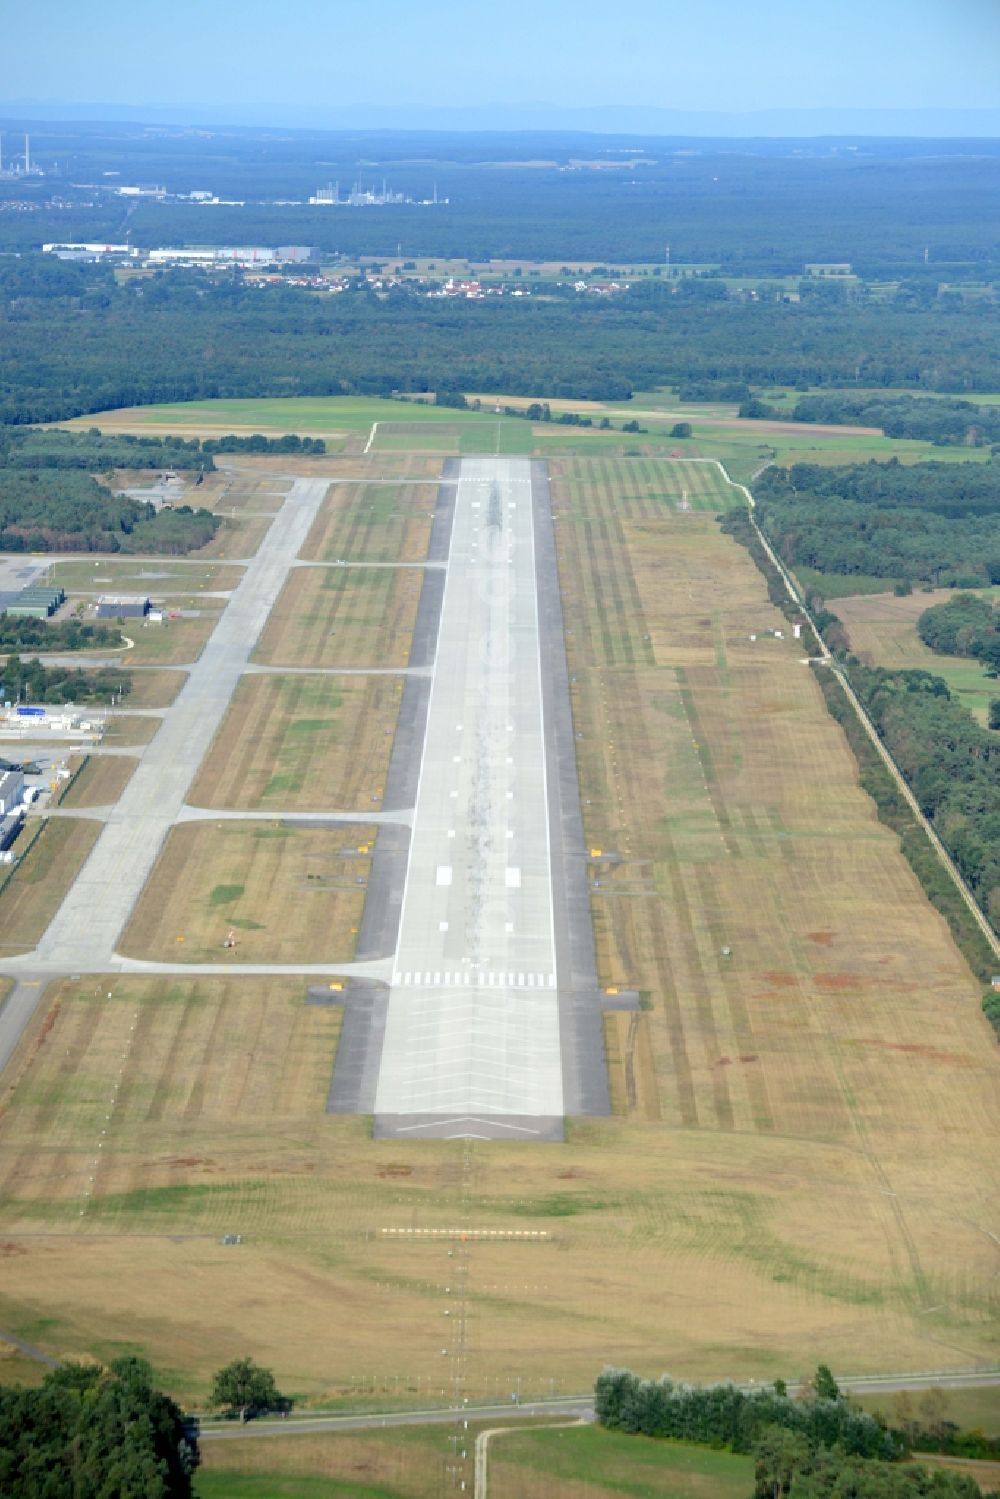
[472,1032]
[581,1407]
[86,928]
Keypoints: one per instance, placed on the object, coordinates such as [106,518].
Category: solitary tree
[825,1385]
[681,429]
[245,1387]
[995,712]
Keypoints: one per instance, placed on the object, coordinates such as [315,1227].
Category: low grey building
[122,606]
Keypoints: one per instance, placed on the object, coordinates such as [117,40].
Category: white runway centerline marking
[473,1027]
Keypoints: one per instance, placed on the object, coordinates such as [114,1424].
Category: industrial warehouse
[202,256]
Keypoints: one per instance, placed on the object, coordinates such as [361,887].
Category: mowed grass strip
[373,523]
[238,537]
[290,894]
[124,730]
[173,642]
[352,616]
[302,743]
[153,689]
[49,863]
[798,983]
[98,780]
[151,575]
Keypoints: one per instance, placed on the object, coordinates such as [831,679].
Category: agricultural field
[373,523]
[352,616]
[426,431]
[284,891]
[50,862]
[882,630]
[301,743]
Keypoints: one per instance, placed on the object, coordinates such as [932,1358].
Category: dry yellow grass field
[373,523]
[36,889]
[153,689]
[843,1013]
[804,1165]
[100,782]
[302,743]
[352,616]
[153,574]
[239,536]
[124,730]
[251,489]
[289,893]
[174,642]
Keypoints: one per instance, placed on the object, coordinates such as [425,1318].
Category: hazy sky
[699,54]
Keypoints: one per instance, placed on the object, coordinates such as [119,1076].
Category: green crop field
[347,422]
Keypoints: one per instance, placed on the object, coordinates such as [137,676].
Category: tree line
[31,681]
[97,452]
[944,421]
[81,345]
[23,633]
[935,523]
[818,1446]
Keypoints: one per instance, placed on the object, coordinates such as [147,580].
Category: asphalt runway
[472,1032]
[85,930]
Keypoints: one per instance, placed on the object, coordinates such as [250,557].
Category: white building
[11,790]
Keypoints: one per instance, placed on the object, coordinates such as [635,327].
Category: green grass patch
[286,1486]
[563,1205]
[632,1465]
[310,726]
[222,895]
[841,585]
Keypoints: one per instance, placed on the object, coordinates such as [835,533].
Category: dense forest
[90,1433]
[966,625]
[75,341]
[65,510]
[936,523]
